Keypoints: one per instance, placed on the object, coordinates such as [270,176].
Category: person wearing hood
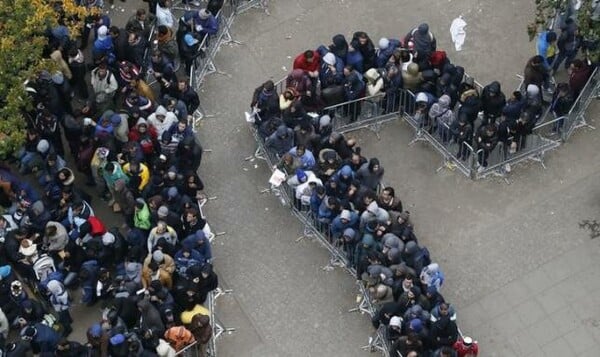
[145,136]
[346,219]
[339,47]
[386,48]
[344,177]
[432,276]
[373,213]
[141,216]
[281,141]
[331,72]
[370,174]
[59,298]
[43,338]
[568,44]
[201,329]
[150,318]
[492,102]
[414,256]
[441,115]
[98,340]
[423,40]
[164,267]
[103,45]
[412,78]
[364,248]
[190,154]
[355,59]
[55,237]
[162,120]
[305,183]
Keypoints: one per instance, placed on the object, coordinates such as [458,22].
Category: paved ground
[518,267]
[516,260]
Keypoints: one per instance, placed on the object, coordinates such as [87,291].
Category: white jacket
[104,88]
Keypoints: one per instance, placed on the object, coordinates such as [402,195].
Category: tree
[23,28]
[548,12]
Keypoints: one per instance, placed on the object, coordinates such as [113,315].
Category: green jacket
[141,218]
[112,177]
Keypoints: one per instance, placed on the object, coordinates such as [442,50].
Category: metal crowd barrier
[316,229]
[204,64]
[196,349]
[575,119]
[367,112]
[242,6]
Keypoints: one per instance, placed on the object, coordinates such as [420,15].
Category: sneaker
[195,3]
[480,169]
[507,168]
[111,202]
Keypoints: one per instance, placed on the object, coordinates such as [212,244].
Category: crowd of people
[446,102]
[132,149]
[343,191]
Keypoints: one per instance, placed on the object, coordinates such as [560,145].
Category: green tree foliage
[23,24]
[589,25]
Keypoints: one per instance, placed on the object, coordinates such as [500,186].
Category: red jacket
[463,350]
[301,63]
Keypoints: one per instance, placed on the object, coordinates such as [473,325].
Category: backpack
[179,337]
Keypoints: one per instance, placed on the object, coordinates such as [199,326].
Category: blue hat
[115,119]
[117,339]
[190,40]
[301,175]
[416,325]
[95,330]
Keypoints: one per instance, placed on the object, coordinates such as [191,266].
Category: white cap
[384,43]
[329,58]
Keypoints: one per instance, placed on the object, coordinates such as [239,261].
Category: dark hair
[140,12]
[551,36]
[391,190]
[114,30]
[308,54]
[577,63]
[163,30]
[269,85]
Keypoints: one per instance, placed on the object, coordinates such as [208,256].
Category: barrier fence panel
[576,117]
[367,112]
[456,154]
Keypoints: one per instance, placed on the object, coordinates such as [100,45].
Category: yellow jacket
[144,174]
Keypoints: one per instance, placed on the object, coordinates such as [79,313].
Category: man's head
[577,64]
[140,14]
[102,71]
[182,84]
[309,56]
